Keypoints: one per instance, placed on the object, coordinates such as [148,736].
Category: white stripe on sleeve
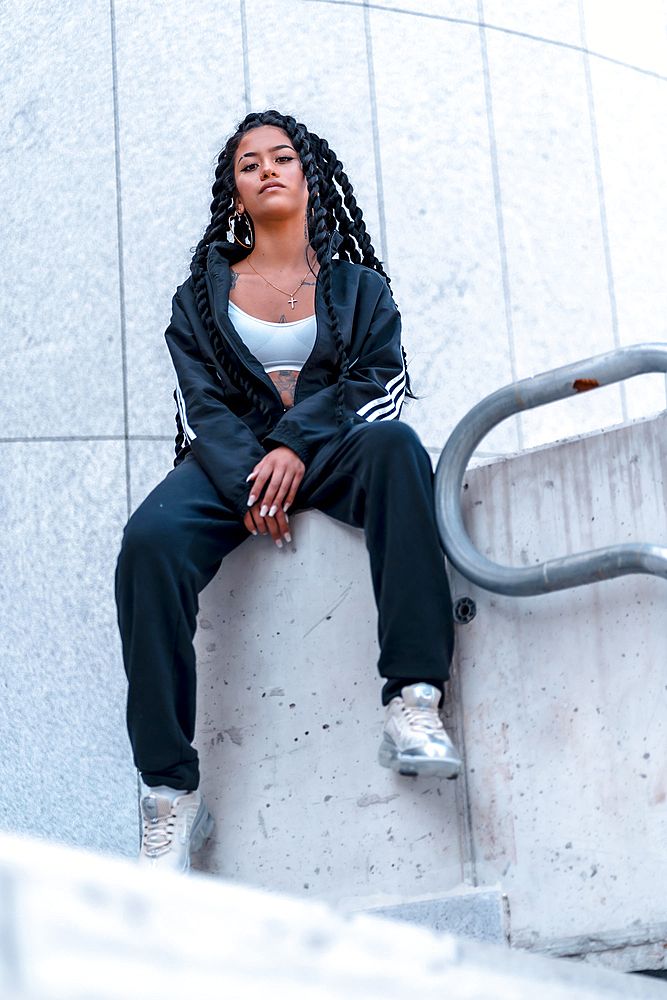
[388,398]
[188,431]
[392,408]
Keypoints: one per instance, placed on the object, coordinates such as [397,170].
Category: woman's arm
[374,388]
[221,442]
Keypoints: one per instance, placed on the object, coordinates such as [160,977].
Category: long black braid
[331,207]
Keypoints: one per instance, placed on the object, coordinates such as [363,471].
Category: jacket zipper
[264,377]
[317,338]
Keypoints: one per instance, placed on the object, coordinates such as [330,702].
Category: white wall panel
[309,60]
[551,20]
[180,93]
[631,115]
[66,772]
[60,364]
[635,35]
[441,220]
[558,281]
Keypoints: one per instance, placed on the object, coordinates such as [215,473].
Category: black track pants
[374,476]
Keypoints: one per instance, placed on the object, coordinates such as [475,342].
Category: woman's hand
[275,481]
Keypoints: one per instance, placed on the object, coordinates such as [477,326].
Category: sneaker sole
[201,831]
[411,766]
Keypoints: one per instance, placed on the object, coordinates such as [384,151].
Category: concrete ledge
[478,914]
[75,926]
[289,726]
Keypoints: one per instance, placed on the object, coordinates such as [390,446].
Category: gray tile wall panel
[448,8]
[309,59]
[67,772]
[554,20]
[180,92]
[60,364]
[634,35]
[631,116]
[441,220]
[555,249]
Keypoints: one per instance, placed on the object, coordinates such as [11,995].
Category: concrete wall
[509,159]
[557,702]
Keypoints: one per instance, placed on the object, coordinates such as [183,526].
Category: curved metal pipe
[556,574]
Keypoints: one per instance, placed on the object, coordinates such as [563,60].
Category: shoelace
[424,720]
[158,835]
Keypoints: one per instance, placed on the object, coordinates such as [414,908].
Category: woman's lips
[271,187]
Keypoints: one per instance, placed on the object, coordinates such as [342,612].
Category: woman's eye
[250,166]
[284,159]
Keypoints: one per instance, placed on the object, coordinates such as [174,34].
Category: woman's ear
[238,204]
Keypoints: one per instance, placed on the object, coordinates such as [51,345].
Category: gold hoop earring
[248,243]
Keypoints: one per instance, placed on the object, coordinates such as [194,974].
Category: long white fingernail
[286,506]
[287,518]
[264,510]
[251,499]
[253,532]
[279,544]
[272,512]
[248,477]
[288,537]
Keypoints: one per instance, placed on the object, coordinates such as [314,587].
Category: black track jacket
[227,434]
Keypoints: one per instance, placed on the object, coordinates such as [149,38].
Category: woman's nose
[267,171]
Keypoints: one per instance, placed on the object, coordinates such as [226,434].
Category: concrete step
[76,925]
[473,913]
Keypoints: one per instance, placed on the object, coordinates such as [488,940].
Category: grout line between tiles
[64,438]
[121,272]
[246,58]
[502,246]
[602,202]
[376,139]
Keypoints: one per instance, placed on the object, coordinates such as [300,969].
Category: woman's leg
[172,547]
[378,477]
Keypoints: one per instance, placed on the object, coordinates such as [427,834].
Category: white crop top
[275,345]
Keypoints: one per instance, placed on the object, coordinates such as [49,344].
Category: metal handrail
[556,574]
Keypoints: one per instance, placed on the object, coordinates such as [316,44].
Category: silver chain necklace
[292,300]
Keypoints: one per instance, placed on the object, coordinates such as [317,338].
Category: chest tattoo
[285,382]
[234,276]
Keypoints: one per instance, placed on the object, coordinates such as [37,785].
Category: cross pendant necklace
[292,301]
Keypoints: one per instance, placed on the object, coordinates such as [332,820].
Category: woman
[290,374]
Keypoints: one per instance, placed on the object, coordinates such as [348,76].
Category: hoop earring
[248,243]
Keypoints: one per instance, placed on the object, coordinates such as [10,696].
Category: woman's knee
[389,439]
[150,534]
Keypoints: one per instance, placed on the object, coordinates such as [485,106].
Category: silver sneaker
[414,740]
[172,830]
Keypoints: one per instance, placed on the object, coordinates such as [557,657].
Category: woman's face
[269,179]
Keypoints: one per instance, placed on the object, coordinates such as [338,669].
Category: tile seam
[375,127]
[604,222]
[64,438]
[494,27]
[121,271]
[246,57]
[500,222]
